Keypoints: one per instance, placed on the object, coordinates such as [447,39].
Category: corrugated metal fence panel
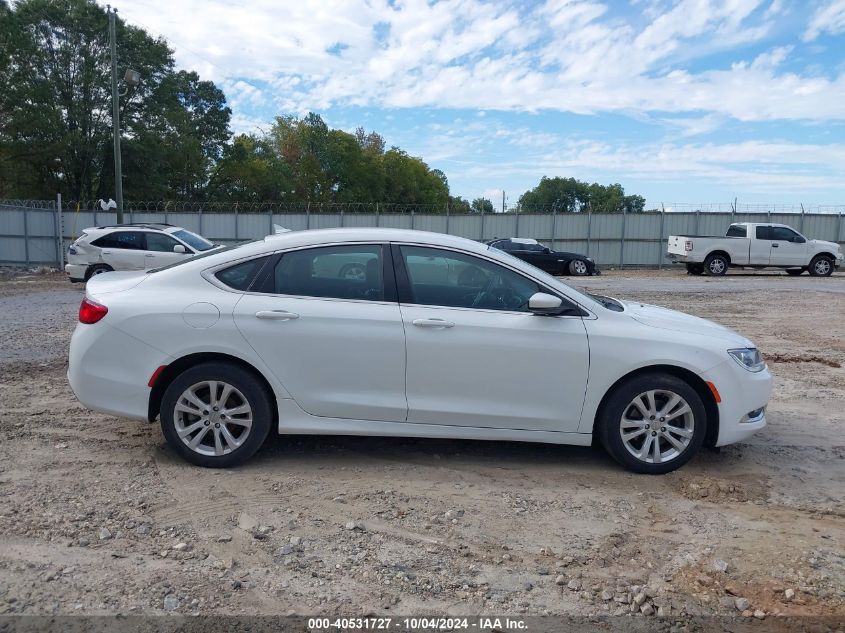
[434,223]
[501,225]
[12,250]
[816,226]
[571,225]
[190,221]
[219,227]
[599,236]
[252,226]
[12,221]
[534,225]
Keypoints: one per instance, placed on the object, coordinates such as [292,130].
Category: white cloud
[828,18]
[563,55]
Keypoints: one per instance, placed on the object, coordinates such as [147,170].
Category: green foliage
[320,165]
[567,195]
[55,110]
[482,205]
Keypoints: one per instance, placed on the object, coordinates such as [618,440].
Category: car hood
[666,319]
[114,281]
[833,246]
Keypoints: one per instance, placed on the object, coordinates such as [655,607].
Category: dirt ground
[98,516]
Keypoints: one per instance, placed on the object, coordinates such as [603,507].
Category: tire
[97,269]
[794,271]
[695,269]
[579,268]
[245,390]
[353,272]
[716,265]
[821,266]
[619,413]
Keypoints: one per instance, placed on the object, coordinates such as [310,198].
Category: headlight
[749,358]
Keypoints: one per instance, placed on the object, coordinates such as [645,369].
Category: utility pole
[115,103]
[503,200]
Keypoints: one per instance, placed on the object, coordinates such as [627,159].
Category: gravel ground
[99,516]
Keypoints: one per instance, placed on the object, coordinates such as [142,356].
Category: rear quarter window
[240,276]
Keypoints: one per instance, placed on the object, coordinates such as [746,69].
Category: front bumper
[744,395]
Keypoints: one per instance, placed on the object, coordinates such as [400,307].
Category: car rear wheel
[821,266]
[653,424]
[216,415]
[716,265]
[579,268]
[97,269]
[695,269]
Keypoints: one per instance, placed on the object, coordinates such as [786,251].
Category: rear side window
[131,240]
[736,230]
[335,272]
[240,276]
[763,232]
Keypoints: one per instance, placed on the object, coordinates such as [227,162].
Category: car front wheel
[216,415]
[653,424]
[821,266]
[579,268]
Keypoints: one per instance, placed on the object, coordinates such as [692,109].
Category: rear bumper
[105,381]
[76,272]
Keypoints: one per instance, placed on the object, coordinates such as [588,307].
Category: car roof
[134,226]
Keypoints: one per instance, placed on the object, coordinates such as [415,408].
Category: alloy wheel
[212,418]
[657,426]
[580,267]
[717,266]
[822,267]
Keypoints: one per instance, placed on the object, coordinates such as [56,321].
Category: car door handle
[433,323]
[277,315]
[775,245]
[149,255]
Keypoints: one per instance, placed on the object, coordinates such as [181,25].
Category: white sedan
[433,336]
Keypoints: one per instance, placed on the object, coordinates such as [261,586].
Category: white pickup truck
[755,245]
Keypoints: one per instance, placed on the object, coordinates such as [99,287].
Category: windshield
[197,242]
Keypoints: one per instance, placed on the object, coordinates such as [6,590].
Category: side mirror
[546,250]
[542,303]
[179,249]
[798,239]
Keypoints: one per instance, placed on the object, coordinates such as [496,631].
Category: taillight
[688,245]
[91,311]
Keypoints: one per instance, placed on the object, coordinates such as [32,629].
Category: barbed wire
[399,208]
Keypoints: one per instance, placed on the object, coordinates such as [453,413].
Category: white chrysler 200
[405,333]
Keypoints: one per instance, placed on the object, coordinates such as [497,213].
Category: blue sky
[677,100]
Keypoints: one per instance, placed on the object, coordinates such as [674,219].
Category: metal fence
[30,230]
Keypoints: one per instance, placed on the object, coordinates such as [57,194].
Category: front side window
[129,240]
[445,278]
[335,272]
[784,234]
[160,242]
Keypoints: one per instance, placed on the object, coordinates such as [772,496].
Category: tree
[459,205]
[482,205]
[567,195]
[56,108]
